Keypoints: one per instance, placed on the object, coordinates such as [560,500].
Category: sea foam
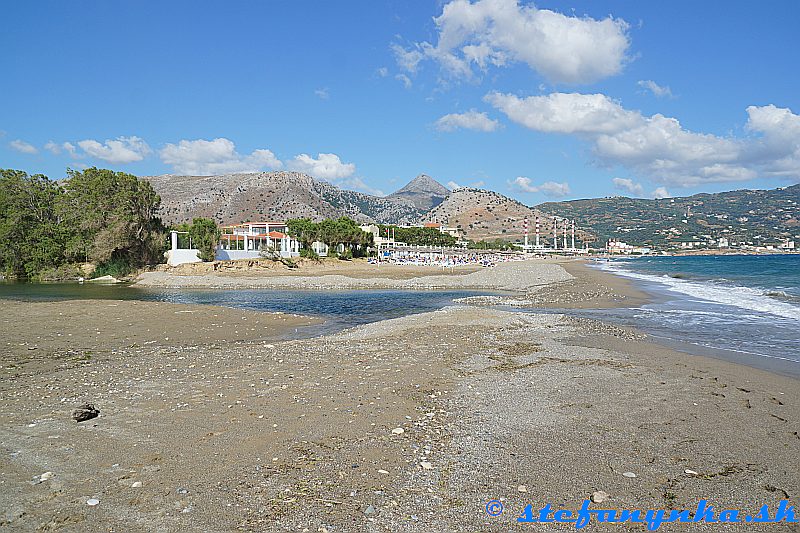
[713,291]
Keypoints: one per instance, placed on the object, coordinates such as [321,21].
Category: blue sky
[537,101]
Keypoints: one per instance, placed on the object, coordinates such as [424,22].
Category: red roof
[432,225]
[276,235]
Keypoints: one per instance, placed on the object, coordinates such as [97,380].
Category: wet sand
[44,335]
[261,435]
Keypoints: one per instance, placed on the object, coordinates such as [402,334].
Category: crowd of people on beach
[444,260]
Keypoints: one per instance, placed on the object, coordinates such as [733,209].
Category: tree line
[416,236]
[96,216]
[333,232]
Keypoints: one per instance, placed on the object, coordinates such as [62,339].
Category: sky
[552,100]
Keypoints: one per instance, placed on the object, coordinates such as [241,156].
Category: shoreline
[270,435]
[512,276]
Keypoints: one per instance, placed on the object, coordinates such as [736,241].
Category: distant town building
[616,246]
[453,232]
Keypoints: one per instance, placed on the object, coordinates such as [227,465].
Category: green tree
[342,231]
[419,236]
[497,244]
[304,230]
[205,235]
[32,235]
[113,216]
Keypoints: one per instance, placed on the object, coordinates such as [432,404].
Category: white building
[250,240]
[616,246]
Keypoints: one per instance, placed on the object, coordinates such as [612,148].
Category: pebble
[398,431]
[426,465]
[369,510]
[383,472]
[136,484]
[522,488]
[46,476]
[92,502]
[690,472]
[599,496]
[629,474]
[183,491]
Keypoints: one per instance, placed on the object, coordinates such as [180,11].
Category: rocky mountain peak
[423,191]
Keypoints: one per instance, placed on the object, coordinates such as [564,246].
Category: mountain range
[236,198]
[744,216]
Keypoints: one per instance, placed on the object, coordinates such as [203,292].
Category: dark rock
[85,412]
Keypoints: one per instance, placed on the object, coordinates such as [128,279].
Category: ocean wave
[709,315]
[783,295]
[731,295]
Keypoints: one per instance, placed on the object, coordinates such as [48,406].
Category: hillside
[744,216]
[234,198]
[482,215]
[423,192]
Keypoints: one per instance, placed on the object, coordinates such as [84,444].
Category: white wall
[181,256]
[224,255]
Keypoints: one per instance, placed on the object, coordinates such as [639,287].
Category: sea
[744,308]
[338,309]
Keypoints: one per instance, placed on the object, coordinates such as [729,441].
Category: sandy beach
[411,424]
[358,274]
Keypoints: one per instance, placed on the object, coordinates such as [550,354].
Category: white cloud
[56,149]
[71,149]
[471,120]
[407,59]
[53,147]
[219,156]
[554,190]
[322,94]
[565,112]
[655,88]
[119,150]
[548,188]
[660,193]
[23,147]
[778,149]
[475,185]
[325,166]
[628,185]
[382,72]
[658,147]
[484,33]
[405,79]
